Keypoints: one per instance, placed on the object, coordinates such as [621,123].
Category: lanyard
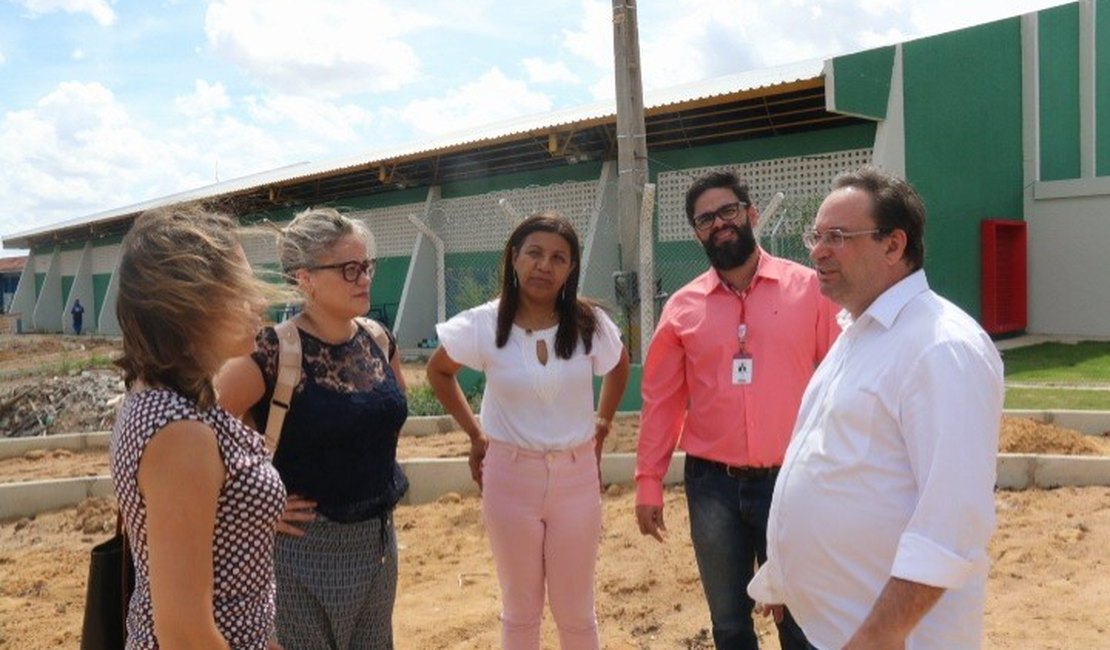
[742,326]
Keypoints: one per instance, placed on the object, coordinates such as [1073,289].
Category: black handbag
[111,581]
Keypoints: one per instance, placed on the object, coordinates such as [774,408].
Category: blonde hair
[180,269]
[312,234]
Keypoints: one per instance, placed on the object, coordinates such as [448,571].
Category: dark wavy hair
[713,180]
[180,270]
[895,205]
[576,314]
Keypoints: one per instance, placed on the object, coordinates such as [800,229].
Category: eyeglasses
[352,270]
[835,237]
[730,212]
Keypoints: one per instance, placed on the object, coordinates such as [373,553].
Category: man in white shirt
[884,506]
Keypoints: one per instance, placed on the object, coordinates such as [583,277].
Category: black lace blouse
[339,442]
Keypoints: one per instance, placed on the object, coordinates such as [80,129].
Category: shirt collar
[889,304]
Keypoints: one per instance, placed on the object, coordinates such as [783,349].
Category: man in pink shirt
[726,369]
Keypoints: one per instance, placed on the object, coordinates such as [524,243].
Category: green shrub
[422,401]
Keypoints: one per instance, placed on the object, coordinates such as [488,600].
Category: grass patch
[1057,399]
[422,401]
[1059,363]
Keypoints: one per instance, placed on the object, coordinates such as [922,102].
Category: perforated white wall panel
[70,260]
[803,180]
[104,258]
[394,234]
[478,223]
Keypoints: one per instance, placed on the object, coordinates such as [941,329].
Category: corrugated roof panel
[709,88]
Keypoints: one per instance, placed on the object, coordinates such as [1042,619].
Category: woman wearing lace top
[336,558]
[535,452]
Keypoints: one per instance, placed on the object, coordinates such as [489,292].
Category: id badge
[741,370]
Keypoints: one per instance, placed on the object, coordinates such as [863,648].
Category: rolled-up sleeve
[950,416]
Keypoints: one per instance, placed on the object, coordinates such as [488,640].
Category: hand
[650,519]
[599,440]
[297,509]
[774,611]
[273,645]
[477,455]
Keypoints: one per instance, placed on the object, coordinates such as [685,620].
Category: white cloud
[493,97]
[205,100]
[540,71]
[593,39]
[2,59]
[76,151]
[331,47]
[310,117]
[99,10]
[77,55]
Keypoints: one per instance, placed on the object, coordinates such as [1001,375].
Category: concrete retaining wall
[430,479]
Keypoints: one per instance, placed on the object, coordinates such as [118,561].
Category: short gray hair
[312,233]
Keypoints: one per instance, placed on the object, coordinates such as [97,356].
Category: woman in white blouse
[535,452]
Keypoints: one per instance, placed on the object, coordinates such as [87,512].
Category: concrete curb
[32,497]
[9,447]
[430,479]
[1088,422]
[1022,471]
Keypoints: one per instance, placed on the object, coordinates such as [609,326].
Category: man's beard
[732,253]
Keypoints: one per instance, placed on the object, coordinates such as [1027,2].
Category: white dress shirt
[890,472]
[543,407]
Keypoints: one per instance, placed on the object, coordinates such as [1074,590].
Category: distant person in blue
[78,313]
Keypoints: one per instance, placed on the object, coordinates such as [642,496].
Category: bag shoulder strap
[288,375]
[377,332]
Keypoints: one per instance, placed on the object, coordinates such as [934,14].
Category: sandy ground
[1049,586]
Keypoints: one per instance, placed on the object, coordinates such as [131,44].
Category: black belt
[742,471]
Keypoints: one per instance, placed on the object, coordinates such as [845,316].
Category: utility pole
[631,153]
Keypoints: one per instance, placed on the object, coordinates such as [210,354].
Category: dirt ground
[1049,584]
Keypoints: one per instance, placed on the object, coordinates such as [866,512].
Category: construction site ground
[1049,583]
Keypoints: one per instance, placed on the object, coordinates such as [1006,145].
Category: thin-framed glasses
[352,270]
[729,212]
[835,237]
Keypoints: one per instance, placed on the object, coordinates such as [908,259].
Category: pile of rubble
[76,403]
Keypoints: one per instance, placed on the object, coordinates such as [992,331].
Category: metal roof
[749,104]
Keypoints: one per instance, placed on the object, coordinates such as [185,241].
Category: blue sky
[105,103]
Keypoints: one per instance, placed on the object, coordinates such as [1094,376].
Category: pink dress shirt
[687,384]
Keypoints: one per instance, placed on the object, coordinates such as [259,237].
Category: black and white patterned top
[250,503]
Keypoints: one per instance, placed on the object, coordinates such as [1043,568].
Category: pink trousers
[543,516]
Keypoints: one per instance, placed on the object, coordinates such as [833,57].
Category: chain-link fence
[475,228]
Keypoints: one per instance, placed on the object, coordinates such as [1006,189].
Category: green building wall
[1102,88]
[1058,65]
[963,139]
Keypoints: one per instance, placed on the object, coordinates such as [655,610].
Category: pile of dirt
[1026,436]
[75,403]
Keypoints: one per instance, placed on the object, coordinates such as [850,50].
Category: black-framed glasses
[835,237]
[352,270]
[729,212]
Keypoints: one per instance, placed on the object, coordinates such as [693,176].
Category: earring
[516,280]
[563,294]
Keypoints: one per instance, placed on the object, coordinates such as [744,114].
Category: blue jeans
[728,525]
